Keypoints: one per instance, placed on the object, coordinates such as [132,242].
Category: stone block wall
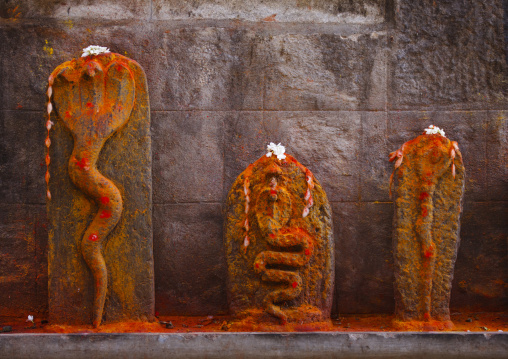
[340,83]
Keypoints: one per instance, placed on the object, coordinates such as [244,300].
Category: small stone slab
[279,244]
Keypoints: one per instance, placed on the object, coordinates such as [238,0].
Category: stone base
[256,345]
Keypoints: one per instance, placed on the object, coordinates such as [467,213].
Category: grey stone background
[340,83]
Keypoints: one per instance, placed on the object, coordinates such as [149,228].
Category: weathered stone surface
[429,176]
[468,128]
[445,55]
[22,157]
[46,44]
[328,142]
[330,345]
[279,244]
[100,208]
[363,257]
[374,171]
[23,262]
[497,156]
[246,137]
[206,68]
[94,9]
[325,71]
[481,272]
[320,11]
[190,266]
[449,53]
[188,156]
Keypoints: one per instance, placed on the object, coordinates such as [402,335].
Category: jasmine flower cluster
[94,50]
[277,150]
[432,130]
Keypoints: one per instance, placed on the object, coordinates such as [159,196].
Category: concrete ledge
[256,345]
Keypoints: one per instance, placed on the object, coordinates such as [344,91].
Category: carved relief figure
[279,242]
[430,185]
[94,97]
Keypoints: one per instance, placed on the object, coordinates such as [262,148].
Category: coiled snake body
[293,248]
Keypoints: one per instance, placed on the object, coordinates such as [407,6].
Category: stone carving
[428,202]
[95,98]
[279,243]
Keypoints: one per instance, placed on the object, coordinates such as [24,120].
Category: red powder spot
[105,200]
[424,212]
[272,191]
[89,104]
[83,163]
[257,265]
[93,237]
[294,284]
[157,314]
[118,68]
[429,253]
[307,252]
[423,195]
[426,316]
[68,114]
[105,214]
[271,235]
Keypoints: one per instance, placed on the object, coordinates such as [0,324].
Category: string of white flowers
[246,191]
[49,124]
[308,194]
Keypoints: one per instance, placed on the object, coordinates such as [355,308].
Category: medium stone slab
[449,54]
[95,9]
[363,257]
[185,144]
[497,155]
[279,244]
[307,11]
[21,163]
[192,280]
[100,188]
[481,271]
[323,71]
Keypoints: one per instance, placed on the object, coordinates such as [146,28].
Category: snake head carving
[94,98]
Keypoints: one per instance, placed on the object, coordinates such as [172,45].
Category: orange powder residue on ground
[474,322]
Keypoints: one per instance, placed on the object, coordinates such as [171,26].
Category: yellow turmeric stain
[48,49]
[69,23]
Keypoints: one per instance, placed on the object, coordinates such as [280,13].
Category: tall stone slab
[428,202]
[99,192]
[279,244]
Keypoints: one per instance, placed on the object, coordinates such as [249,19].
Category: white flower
[277,150]
[30,318]
[94,50]
[432,130]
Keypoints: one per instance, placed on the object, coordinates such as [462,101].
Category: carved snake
[273,210]
[94,97]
